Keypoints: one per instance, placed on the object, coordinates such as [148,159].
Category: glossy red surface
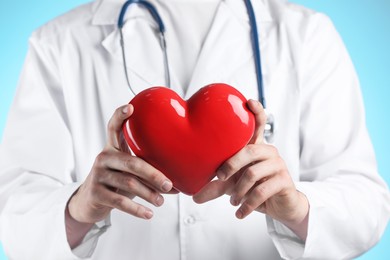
[188,141]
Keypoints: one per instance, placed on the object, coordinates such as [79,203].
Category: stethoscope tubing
[161,26]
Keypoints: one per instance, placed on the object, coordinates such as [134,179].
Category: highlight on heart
[189,140]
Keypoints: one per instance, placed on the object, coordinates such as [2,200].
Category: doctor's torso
[84,47]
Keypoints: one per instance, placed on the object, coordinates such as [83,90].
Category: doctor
[68,192]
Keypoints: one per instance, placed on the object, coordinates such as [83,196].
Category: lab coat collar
[107,11]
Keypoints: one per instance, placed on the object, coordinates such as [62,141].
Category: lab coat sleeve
[37,165]
[349,202]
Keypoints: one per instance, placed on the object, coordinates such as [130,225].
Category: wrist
[299,220]
[75,230]
[71,209]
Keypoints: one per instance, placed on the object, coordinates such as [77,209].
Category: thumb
[260,121]
[114,127]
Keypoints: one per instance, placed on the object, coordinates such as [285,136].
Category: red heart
[188,141]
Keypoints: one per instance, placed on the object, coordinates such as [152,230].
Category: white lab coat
[73,80]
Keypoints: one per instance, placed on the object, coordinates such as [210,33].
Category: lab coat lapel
[228,49]
[144,57]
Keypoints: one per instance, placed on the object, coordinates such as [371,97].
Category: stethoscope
[270,126]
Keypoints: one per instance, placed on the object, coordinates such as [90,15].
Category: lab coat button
[190,220]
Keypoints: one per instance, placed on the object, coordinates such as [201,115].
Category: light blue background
[363,24]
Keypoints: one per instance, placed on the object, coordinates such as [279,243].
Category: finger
[212,190]
[249,154]
[260,119]
[129,185]
[114,127]
[259,195]
[252,175]
[120,161]
[124,147]
[114,200]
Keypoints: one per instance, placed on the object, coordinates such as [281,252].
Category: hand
[257,178]
[116,178]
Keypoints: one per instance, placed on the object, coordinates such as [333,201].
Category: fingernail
[221,175]
[125,110]
[239,214]
[159,200]
[148,214]
[167,186]
[195,198]
[233,201]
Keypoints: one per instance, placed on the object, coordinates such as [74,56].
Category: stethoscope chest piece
[269,130]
